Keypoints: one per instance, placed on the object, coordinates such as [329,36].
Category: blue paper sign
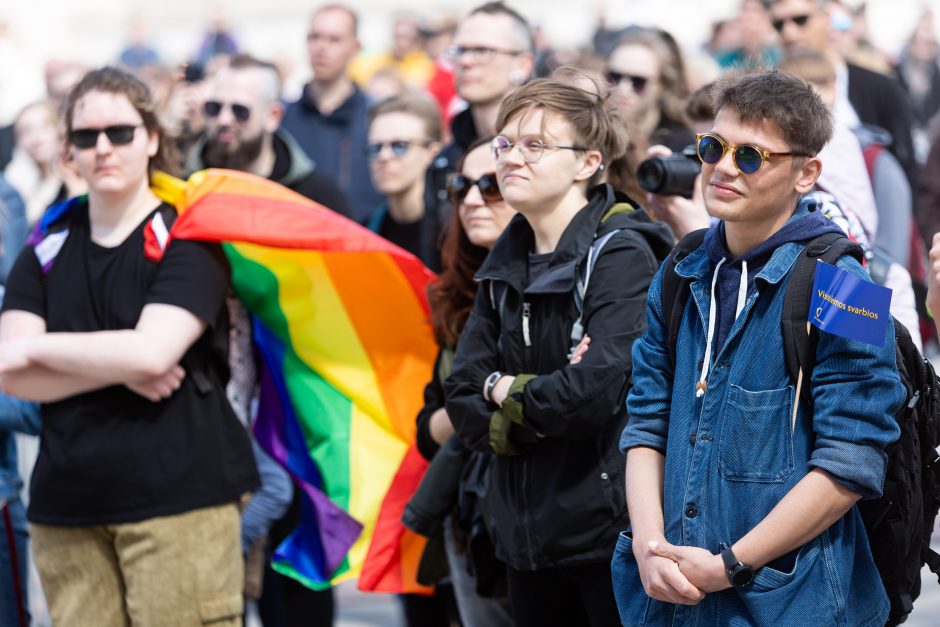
[848,306]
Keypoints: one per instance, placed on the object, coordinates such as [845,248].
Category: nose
[726,165]
[473,198]
[103,144]
[226,116]
[511,155]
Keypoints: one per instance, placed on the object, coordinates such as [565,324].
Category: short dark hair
[499,8]
[113,80]
[700,105]
[789,102]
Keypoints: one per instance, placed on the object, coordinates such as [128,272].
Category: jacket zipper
[526,334]
[525,522]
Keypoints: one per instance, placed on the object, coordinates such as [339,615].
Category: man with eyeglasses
[329,119]
[741,497]
[863,97]
[493,53]
[243,132]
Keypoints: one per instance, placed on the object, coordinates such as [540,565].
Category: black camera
[670,176]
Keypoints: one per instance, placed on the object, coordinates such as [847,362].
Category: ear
[524,64]
[153,144]
[592,161]
[275,115]
[433,149]
[807,175]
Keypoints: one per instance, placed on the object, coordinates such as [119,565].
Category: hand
[15,355]
[703,569]
[501,389]
[662,579]
[580,350]
[161,387]
[440,426]
[933,279]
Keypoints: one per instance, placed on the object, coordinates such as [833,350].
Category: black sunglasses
[213,108]
[118,135]
[399,147]
[458,186]
[799,20]
[615,78]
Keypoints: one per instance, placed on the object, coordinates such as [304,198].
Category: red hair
[451,295]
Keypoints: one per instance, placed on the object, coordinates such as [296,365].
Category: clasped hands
[678,574]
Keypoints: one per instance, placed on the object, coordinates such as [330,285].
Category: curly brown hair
[451,295]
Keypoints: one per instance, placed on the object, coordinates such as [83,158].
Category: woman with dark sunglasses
[133,506]
[447,502]
[576,263]
[404,137]
[647,81]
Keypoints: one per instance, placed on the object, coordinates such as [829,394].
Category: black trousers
[566,596]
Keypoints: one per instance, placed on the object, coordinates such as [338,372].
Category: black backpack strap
[675,289]
[799,338]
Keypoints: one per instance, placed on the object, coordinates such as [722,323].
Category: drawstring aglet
[700,389]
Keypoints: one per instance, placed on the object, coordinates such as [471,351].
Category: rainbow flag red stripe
[341,318]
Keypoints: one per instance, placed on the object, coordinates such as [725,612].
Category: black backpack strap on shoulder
[799,339]
[675,289]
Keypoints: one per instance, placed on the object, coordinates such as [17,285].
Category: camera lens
[670,176]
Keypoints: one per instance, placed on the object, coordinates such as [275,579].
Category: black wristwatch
[739,573]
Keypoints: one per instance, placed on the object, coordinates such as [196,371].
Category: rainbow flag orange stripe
[341,318]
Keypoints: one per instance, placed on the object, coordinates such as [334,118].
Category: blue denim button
[691,511]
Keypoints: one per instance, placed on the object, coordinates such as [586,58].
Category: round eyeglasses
[747,158]
[531,148]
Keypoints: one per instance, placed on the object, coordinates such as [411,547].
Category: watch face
[742,575]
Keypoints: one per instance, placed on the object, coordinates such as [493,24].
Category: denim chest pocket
[755,440]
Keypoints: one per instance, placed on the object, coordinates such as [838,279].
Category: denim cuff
[858,467]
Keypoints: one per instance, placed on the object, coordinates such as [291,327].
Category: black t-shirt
[407,235]
[538,264]
[111,456]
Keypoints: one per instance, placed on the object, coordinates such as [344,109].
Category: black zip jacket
[561,501]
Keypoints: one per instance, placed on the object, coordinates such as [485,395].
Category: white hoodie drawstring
[742,299]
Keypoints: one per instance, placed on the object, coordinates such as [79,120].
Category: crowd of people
[597,455]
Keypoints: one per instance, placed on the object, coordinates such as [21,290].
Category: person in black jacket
[557,484]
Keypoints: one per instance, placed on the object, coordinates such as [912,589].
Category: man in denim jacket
[740,500]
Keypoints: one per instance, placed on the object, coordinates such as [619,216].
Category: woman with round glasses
[142,461]
[404,137]
[573,267]
[456,478]
[647,82]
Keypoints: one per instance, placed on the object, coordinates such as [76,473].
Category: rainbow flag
[341,319]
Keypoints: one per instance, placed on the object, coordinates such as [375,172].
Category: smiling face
[106,168]
[482,221]
[758,203]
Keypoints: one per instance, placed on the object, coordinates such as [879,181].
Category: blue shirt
[734,453]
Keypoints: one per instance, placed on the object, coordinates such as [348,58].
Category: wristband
[490,383]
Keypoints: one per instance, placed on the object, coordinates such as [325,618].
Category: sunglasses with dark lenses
[615,78]
[399,147]
[747,158]
[458,186]
[799,20]
[213,108]
[118,135]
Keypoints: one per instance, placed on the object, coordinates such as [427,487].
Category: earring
[516,77]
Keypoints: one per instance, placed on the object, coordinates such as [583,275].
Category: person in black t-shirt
[404,136]
[133,499]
